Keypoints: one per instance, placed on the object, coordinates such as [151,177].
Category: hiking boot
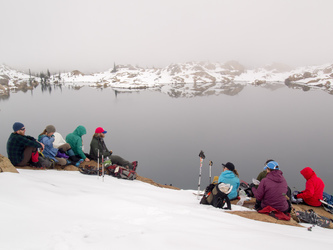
[36,164]
[78,163]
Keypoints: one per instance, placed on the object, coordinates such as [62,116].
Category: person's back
[314,188]
[272,189]
[228,176]
[75,141]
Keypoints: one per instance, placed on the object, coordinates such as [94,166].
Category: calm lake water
[166,134]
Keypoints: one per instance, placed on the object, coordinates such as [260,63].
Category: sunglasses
[22,129]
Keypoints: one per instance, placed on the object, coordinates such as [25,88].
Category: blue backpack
[327,202]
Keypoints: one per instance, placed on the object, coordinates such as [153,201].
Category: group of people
[272,190]
[23,150]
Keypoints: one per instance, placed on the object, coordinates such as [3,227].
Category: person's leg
[65,147]
[26,156]
[115,159]
[61,161]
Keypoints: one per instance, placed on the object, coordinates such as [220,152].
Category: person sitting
[314,188]
[230,175]
[272,190]
[59,155]
[75,141]
[98,148]
[256,182]
[21,147]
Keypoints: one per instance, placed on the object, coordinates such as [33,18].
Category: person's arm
[48,141]
[260,191]
[308,192]
[94,148]
[78,148]
[30,141]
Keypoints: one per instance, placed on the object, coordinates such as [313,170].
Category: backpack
[45,162]
[217,195]
[309,216]
[327,202]
[120,172]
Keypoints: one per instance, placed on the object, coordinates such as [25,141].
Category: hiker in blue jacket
[230,176]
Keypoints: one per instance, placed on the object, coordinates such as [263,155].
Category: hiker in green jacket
[75,141]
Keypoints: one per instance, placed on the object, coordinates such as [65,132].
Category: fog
[91,36]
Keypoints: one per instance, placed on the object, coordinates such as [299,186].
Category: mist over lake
[165,134]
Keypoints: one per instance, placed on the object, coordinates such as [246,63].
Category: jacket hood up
[307,173]
[80,131]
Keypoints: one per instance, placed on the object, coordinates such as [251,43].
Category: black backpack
[215,197]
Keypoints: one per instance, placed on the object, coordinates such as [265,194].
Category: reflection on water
[242,124]
[326,88]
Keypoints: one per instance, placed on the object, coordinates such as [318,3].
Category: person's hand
[42,145]
[295,193]
[111,151]
[87,159]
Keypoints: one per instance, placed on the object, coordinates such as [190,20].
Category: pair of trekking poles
[202,157]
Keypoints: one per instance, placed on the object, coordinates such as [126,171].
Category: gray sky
[63,35]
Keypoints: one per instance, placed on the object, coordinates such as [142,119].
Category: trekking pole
[210,171]
[202,156]
[97,164]
[103,168]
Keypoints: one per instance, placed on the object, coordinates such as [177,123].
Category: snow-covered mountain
[182,79]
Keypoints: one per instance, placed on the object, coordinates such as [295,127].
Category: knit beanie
[50,129]
[17,126]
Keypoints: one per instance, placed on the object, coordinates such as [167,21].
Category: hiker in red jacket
[314,188]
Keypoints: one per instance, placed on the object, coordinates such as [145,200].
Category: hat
[17,126]
[271,165]
[50,129]
[229,166]
[100,130]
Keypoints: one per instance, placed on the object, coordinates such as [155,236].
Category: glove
[295,193]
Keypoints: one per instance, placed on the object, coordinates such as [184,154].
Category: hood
[307,172]
[228,174]
[80,130]
[276,176]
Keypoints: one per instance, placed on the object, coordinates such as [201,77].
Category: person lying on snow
[314,188]
[230,176]
[97,144]
[272,190]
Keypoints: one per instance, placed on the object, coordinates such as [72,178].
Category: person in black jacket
[97,144]
[20,147]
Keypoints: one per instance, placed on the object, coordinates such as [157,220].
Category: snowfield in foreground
[62,210]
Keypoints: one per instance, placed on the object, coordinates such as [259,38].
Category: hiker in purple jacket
[272,190]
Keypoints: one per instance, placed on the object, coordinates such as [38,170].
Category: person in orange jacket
[314,188]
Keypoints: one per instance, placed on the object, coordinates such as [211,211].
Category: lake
[165,134]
